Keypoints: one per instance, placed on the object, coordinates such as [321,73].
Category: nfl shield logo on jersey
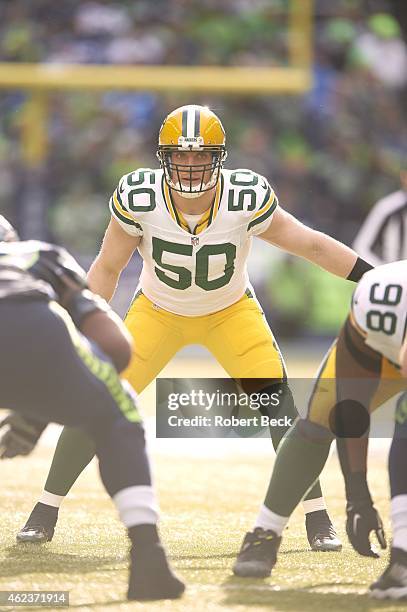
[194,240]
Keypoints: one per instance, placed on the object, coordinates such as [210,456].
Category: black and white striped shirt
[383,236]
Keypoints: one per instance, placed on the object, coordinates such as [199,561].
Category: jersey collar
[207,217]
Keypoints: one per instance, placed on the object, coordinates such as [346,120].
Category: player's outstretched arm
[117,248]
[286,232]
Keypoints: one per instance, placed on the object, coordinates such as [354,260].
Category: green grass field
[207,504]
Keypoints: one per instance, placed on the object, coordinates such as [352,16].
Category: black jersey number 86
[377,320]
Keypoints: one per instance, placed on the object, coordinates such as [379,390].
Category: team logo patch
[194,240]
[187,142]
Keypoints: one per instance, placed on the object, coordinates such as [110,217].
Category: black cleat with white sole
[258,554]
[321,533]
[40,525]
[392,584]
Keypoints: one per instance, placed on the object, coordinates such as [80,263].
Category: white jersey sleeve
[379,308]
[264,206]
[251,197]
[132,197]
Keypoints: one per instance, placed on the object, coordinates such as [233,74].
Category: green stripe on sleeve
[119,199]
[266,198]
[116,213]
[264,216]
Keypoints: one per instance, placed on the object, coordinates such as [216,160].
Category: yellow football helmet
[191,128]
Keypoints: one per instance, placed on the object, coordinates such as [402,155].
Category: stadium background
[330,152]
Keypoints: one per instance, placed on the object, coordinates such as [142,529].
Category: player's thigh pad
[352,374]
[391,383]
[243,343]
[156,340]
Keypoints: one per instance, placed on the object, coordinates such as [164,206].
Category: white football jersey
[203,271]
[379,307]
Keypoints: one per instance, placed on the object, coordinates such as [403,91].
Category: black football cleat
[321,533]
[392,584]
[40,526]
[258,554]
[151,577]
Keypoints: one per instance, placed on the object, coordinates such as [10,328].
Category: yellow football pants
[352,370]
[238,337]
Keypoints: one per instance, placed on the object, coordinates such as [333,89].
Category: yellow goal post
[38,79]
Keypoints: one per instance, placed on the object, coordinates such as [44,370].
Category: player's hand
[68,288]
[78,300]
[361,519]
[19,435]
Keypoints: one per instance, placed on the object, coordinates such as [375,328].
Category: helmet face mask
[186,133]
[191,180]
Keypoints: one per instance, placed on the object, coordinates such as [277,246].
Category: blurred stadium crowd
[330,153]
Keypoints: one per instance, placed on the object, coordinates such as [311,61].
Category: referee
[383,236]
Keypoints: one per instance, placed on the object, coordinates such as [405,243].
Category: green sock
[298,464]
[277,434]
[315,491]
[73,453]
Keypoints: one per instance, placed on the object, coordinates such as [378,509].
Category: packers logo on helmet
[7,231]
[188,129]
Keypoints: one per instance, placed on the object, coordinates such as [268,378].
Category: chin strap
[189,195]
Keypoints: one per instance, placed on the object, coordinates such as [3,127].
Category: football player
[392,583]
[360,372]
[193,222]
[71,346]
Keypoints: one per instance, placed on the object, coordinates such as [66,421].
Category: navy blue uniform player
[68,347]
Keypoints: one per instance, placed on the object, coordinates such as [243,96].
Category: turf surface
[207,505]
[209,493]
